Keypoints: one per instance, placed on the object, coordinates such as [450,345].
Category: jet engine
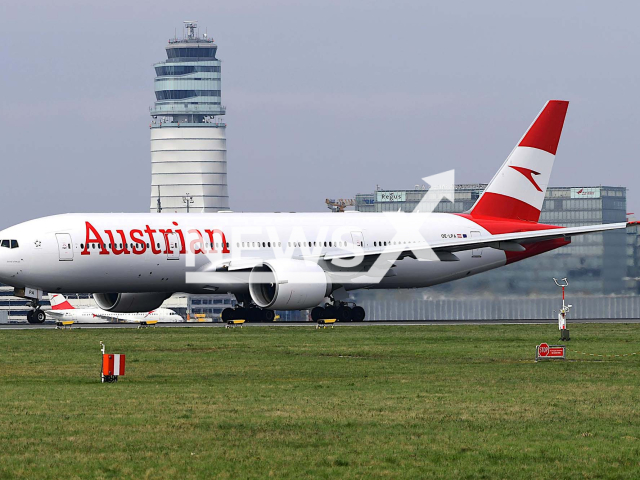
[129,302]
[286,284]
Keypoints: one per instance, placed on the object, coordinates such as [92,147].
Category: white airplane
[291,261]
[63,311]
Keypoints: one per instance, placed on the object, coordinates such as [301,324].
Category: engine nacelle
[286,284]
[129,302]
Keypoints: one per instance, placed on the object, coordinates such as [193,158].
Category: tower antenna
[192,27]
[159,207]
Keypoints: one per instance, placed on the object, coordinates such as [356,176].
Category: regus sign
[391,196]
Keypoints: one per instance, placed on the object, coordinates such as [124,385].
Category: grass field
[374,401]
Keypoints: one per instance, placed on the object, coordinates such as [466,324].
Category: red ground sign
[545,351]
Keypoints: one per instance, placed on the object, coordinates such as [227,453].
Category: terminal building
[188,139]
[601,263]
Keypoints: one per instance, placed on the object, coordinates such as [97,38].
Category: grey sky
[324,99]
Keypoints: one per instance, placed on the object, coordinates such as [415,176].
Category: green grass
[379,402]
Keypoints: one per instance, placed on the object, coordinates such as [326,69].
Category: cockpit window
[4,243]
[9,243]
[14,244]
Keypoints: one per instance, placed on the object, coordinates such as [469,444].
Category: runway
[52,326]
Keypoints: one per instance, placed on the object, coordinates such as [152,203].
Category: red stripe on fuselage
[533,249]
[501,206]
[496,226]
[545,132]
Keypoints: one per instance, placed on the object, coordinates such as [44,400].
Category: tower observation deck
[188,138]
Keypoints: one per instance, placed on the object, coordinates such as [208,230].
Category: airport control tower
[188,141]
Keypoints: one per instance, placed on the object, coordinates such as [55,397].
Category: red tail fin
[517,191]
[59,302]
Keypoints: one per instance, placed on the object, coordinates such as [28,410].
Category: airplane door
[358,239]
[174,246]
[65,252]
[476,252]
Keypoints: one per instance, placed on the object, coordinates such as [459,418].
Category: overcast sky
[324,98]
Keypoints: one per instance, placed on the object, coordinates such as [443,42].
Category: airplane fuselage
[95,315]
[96,253]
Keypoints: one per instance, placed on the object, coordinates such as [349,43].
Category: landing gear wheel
[345,314]
[227,314]
[358,314]
[39,316]
[268,315]
[317,313]
[331,312]
[30,316]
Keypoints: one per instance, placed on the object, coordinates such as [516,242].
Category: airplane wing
[512,242]
[53,314]
[443,250]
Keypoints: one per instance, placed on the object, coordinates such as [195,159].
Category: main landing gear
[36,315]
[248,314]
[342,313]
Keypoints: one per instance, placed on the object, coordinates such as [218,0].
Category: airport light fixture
[187,200]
